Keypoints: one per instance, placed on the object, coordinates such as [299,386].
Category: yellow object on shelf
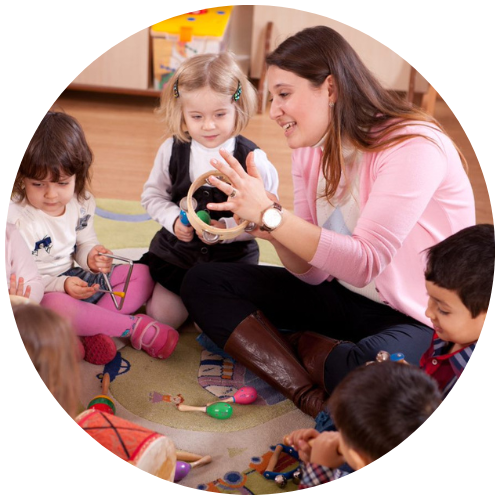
[207,22]
[176,39]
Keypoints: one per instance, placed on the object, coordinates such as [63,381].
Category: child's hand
[17,287]
[79,289]
[299,440]
[183,233]
[325,450]
[98,263]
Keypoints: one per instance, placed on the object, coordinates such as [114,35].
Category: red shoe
[99,349]
[164,340]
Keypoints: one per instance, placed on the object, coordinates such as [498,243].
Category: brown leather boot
[313,349]
[261,348]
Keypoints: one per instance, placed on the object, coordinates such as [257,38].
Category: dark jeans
[219,296]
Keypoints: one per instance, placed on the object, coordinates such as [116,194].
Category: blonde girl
[206,105]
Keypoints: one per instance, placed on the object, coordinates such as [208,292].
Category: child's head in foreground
[51,345]
[208,99]
[377,406]
[55,166]
[459,279]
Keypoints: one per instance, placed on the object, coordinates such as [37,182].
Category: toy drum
[141,447]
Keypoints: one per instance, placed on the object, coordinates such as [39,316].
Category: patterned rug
[146,391]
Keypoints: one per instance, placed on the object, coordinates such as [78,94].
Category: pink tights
[90,319]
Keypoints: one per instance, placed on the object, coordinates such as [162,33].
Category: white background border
[45,45]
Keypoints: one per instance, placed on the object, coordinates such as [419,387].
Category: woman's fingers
[252,167]
[222,185]
[232,162]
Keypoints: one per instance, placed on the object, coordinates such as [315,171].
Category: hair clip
[176,90]
[237,94]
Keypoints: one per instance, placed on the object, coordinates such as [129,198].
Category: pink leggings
[90,319]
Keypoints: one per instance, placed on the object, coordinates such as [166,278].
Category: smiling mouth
[288,126]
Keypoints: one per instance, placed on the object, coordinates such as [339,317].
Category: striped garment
[444,367]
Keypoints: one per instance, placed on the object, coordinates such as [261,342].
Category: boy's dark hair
[58,146]
[464,263]
[377,406]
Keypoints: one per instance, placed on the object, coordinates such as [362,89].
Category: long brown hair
[365,114]
[51,344]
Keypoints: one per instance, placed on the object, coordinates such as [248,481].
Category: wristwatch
[272,217]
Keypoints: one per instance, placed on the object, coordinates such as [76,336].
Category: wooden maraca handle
[186,456]
[202,461]
[105,384]
[182,407]
[197,223]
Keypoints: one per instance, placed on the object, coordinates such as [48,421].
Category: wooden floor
[124,134]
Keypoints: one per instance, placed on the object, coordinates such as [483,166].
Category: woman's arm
[405,180]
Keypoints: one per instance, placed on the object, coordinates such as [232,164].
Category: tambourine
[211,233]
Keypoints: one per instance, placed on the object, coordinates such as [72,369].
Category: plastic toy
[103,402]
[281,478]
[118,294]
[244,396]
[220,411]
[182,468]
[183,205]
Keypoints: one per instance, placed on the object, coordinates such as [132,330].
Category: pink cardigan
[411,197]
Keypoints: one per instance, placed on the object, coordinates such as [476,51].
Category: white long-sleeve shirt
[19,261]
[56,243]
[156,198]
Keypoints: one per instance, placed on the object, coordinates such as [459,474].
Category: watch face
[272,218]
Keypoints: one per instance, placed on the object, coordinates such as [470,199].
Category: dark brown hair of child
[51,344]
[377,406]
[465,263]
[57,148]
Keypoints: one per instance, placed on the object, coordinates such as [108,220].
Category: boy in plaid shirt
[375,408]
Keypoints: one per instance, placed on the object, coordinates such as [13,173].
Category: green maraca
[221,411]
[204,216]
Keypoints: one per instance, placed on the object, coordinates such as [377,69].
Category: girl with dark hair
[54,212]
[376,182]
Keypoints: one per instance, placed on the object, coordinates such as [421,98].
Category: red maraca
[182,469]
[244,396]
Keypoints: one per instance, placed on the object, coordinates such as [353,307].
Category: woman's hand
[247,196]
[98,263]
[183,233]
[16,287]
[79,289]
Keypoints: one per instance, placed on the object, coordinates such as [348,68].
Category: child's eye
[444,313]
[220,115]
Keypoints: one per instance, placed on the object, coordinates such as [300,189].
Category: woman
[376,182]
